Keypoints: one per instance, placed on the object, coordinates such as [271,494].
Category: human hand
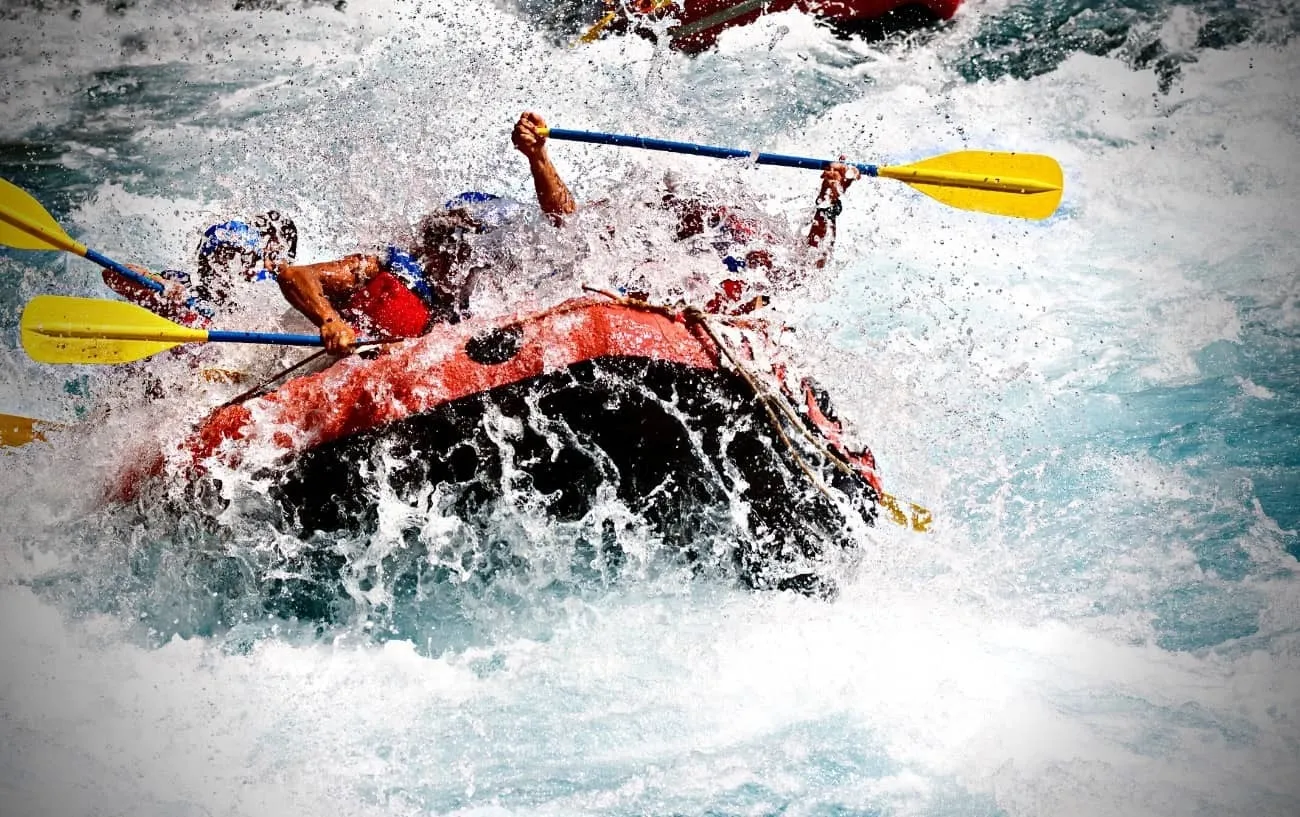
[836,178]
[526,136]
[339,338]
[275,264]
[172,292]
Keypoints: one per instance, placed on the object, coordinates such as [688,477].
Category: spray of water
[1095,407]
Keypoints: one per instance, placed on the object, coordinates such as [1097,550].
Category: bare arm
[313,289]
[552,195]
[821,233]
[170,303]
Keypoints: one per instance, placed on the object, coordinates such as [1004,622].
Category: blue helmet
[488,210]
[227,251]
[235,235]
[272,238]
[470,198]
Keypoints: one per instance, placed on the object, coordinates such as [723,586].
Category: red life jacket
[386,307]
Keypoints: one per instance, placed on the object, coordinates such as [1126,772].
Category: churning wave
[1099,409]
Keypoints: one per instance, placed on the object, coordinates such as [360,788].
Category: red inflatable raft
[700,22]
[682,417]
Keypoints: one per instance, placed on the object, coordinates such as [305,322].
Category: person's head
[694,213]
[279,238]
[445,237]
[487,209]
[234,251]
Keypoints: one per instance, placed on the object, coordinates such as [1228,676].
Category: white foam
[1008,659]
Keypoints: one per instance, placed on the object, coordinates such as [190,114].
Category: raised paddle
[59,329]
[1024,185]
[25,225]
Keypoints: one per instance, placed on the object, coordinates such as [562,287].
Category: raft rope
[768,399]
[261,388]
[919,520]
[693,315]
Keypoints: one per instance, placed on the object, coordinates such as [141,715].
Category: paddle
[25,225]
[1024,185]
[597,27]
[16,431]
[907,514]
[608,17]
[59,329]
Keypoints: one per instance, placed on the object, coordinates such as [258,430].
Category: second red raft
[700,22]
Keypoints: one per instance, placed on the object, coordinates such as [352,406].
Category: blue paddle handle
[692,149]
[264,337]
[108,263]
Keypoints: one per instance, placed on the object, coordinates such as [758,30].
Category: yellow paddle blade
[600,25]
[912,516]
[16,431]
[596,28]
[58,329]
[24,224]
[1026,185]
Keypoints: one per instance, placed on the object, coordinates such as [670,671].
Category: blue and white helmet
[488,210]
[237,246]
[231,235]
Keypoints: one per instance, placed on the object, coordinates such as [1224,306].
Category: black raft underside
[692,451]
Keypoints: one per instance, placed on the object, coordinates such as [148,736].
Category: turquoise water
[1100,410]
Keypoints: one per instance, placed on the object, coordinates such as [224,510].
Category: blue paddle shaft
[692,149]
[222,336]
[108,263]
